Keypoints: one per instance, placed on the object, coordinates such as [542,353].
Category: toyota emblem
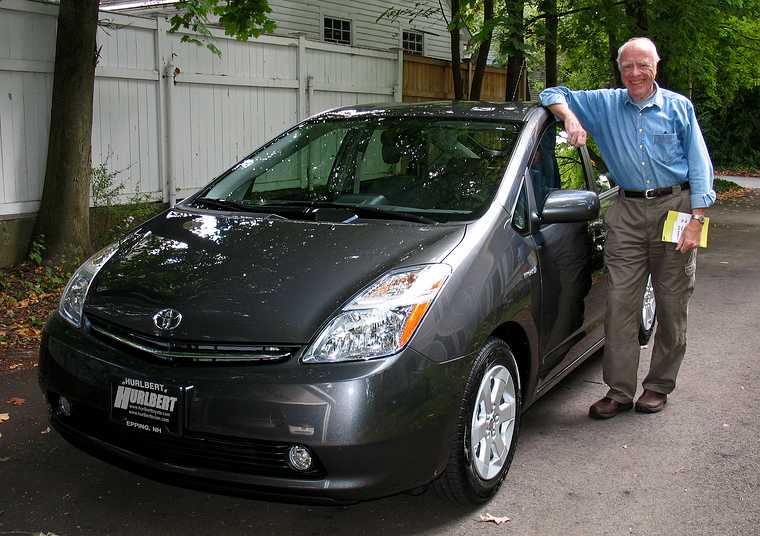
[167,319]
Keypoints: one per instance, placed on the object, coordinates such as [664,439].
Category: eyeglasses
[642,65]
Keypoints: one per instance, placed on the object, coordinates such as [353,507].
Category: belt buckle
[649,194]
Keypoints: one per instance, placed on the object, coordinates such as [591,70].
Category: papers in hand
[676,222]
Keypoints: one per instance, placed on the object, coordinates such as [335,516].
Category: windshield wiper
[226,204]
[360,210]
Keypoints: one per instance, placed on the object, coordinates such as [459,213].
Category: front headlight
[72,299]
[382,319]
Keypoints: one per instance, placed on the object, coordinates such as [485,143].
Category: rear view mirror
[567,206]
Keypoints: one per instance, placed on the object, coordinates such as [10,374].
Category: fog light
[299,458]
[64,406]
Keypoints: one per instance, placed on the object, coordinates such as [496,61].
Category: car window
[520,215]
[555,165]
[602,177]
[570,163]
[438,168]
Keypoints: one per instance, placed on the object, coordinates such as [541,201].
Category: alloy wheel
[493,420]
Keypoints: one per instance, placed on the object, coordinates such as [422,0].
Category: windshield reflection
[442,169]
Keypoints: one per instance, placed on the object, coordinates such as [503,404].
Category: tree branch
[537,18]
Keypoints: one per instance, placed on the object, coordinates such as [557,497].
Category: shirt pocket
[666,147]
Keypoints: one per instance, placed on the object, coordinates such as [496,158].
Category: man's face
[638,69]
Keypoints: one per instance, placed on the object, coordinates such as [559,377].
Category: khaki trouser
[634,249]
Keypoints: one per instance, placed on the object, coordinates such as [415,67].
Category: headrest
[397,143]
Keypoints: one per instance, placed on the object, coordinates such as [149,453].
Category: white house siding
[294,16]
[300,16]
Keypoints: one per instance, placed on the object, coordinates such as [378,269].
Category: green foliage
[104,190]
[36,250]
[241,19]
[721,185]
[112,219]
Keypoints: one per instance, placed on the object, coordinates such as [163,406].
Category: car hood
[243,278]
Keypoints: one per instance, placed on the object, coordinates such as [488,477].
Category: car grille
[186,351]
[200,451]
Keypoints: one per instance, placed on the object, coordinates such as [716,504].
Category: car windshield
[411,168]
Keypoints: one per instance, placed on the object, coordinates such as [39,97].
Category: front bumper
[375,428]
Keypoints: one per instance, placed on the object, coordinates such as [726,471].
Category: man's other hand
[690,237]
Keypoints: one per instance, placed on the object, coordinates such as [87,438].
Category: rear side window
[602,178]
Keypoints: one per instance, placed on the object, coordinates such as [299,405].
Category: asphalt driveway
[693,469]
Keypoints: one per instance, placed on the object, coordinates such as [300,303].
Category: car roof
[511,111]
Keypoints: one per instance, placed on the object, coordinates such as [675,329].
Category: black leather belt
[655,192]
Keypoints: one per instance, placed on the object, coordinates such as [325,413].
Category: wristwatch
[700,219]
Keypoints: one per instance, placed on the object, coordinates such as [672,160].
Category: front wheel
[489,420]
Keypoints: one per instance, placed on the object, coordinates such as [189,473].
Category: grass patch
[728,189]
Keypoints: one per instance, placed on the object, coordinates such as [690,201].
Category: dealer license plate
[147,406]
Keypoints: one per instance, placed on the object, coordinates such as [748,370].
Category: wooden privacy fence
[427,79]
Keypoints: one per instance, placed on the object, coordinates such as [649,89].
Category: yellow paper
[676,222]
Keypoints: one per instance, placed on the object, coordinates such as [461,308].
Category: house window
[412,41]
[337,30]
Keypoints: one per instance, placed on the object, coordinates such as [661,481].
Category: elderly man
[652,144]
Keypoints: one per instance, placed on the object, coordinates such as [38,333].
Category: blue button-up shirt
[650,144]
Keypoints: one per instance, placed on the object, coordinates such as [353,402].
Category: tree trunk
[63,218]
[516,57]
[637,10]
[456,59]
[483,50]
[615,80]
[549,7]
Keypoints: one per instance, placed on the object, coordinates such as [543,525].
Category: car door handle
[530,273]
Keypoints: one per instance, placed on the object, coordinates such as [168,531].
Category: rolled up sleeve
[700,166]
[587,105]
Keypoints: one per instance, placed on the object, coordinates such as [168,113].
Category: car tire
[476,468]
[648,317]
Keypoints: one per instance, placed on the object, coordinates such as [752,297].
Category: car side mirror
[568,206]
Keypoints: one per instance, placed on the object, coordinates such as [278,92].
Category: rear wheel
[489,420]
[648,314]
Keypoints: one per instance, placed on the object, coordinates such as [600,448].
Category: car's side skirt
[554,380]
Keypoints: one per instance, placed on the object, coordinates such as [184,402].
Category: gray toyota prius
[362,306]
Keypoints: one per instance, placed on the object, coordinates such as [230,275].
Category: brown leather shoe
[651,402]
[607,408]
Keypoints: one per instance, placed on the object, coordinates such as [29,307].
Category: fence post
[162,52]
[398,89]
[310,91]
[170,73]
[302,82]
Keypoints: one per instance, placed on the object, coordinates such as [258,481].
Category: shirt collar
[655,99]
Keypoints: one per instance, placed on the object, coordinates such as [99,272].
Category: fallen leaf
[494,519]
[4,417]
[46,430]
[16,401]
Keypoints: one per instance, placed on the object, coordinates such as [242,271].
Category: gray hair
[648,43]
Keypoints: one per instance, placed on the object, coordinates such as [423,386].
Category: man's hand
[576,134]
[690,237]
